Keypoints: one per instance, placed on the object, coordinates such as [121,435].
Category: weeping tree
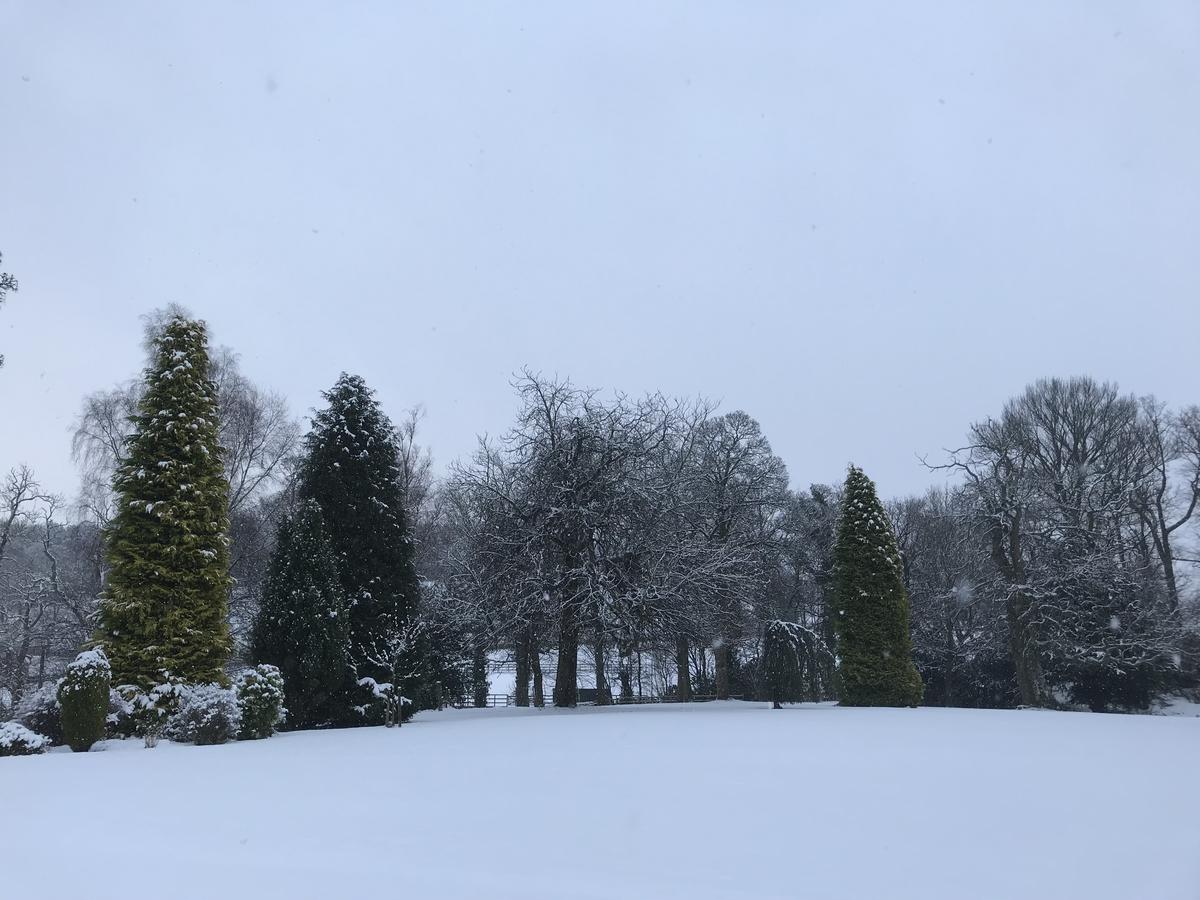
[783,661]
[164,612]
[871,604]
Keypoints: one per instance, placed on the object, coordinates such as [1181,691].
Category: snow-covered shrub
[17,740]
[119,722]
[207,714]
[39,711]
[149,711]
[260,700]
[83,697]
[382,701]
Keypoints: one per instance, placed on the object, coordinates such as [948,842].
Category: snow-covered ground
[716,800]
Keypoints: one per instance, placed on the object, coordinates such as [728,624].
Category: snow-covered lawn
[697,802]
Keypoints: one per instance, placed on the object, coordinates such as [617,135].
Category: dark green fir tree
[163,613]
[303,623]
[871,605]
[351,469]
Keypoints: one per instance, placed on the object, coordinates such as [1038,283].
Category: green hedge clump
[83,697]
[260,698]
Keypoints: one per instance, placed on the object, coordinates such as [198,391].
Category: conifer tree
[351,469]
[164,610]
[871,605]
[303,622]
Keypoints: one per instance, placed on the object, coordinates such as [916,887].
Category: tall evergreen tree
[351,469]
[303,622]
[871,605]
[164,610]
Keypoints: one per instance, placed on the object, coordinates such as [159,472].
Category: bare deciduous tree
[7,283]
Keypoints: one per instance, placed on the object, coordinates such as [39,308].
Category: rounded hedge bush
[260,700]
[17,740]
[83,695]
[207,714]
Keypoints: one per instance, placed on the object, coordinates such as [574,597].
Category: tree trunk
[1022,646]
[603,694]
[948,670]
[479,676]
[625,671]
[1007,553]
[683,671]
[521,652]
[723,654]
[535,664]
[1172,586]
[1168,565]
[566,678]
[827,664]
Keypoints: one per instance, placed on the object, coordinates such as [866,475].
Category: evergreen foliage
[164,610]
[83,696]
[423,665]
[447,676]
[870,603]
[351,469]
[985,681]
[120,721]
[303,623]
[260,699]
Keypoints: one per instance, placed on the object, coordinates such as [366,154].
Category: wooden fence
[495,700]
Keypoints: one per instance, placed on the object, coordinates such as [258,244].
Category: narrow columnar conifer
[871,605]
[163,612]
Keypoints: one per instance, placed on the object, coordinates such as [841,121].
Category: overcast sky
[866,224]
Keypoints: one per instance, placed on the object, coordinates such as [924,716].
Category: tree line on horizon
[653,539]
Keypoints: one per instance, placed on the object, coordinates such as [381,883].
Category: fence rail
[498,700]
